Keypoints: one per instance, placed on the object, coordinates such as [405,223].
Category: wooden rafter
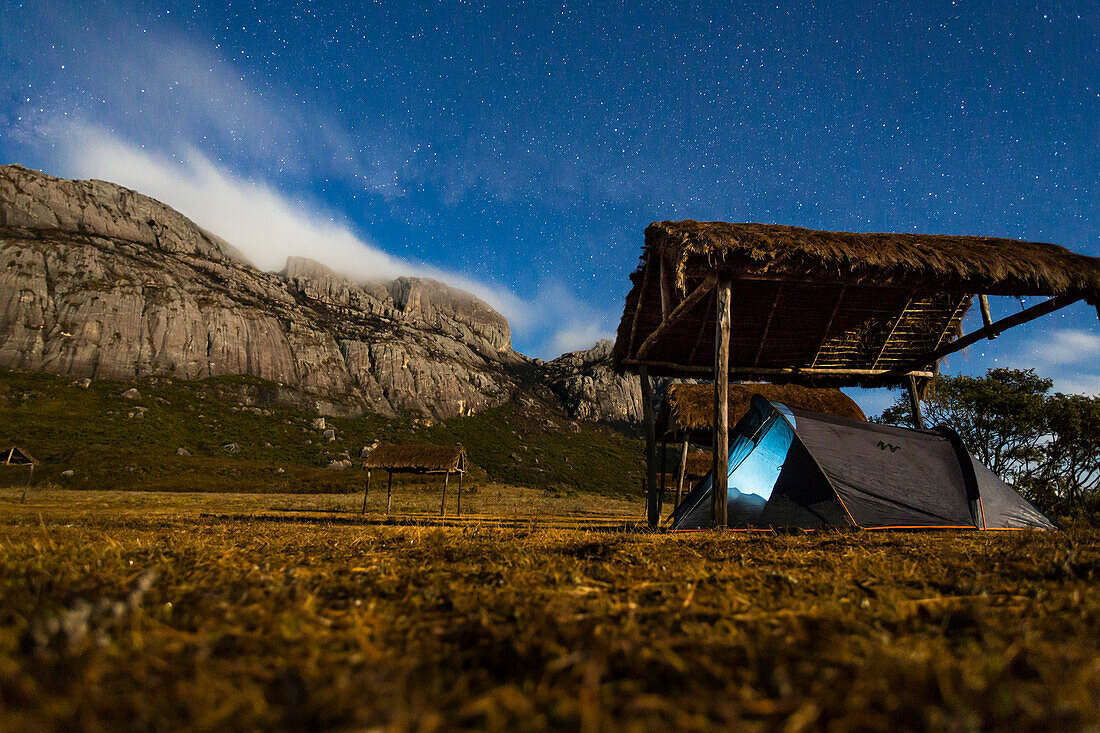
[829,324]
[768,324]
[638,309]
[1028,314]
[894,327]
[672,320]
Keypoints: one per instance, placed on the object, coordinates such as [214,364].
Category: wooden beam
[666,288]
[778,371]
[365,491]
[720,460]
[460,493]
[886,341]
[987,317]
[672,320]
[652,509]
[682,472]
[389,492]
[768,325]
[443,502]
[698,338]
[638,310]
[829,323]
[664,460]
[1028,314]
[914,404]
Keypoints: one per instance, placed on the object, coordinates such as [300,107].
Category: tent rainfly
[687,416]
[792,468]
[821,309]
[421,459]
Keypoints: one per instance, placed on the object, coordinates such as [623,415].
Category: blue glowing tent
[791,468]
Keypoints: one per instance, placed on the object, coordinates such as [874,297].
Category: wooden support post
[651,506]
[366,490]
[987,316]
[460,493]
[664,460]
[389,492]
[683,472]
[443,503]
[720,462]
[914,404]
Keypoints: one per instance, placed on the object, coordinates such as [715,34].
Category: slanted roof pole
[720,456]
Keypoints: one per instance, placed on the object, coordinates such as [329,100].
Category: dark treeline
[1047,445]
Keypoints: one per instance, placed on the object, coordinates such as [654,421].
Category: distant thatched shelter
[13,455]
[420,459]
[813,308]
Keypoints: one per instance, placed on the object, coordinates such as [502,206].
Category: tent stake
[720,456]
[914,404]
[651,505]
[366,490]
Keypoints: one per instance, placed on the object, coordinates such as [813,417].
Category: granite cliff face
[97,280]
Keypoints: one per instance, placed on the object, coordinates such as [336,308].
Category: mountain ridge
[100,281]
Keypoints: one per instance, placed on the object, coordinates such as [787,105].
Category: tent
[791,468]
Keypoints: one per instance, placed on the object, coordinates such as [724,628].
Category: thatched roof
[417,458]
[13,455]
[691,406]
[824,308]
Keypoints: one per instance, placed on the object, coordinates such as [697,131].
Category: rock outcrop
[589,388]
[98,281]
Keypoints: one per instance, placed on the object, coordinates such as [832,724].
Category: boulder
[182,452]
[131,394]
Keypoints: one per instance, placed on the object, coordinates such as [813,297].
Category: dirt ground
[159,611]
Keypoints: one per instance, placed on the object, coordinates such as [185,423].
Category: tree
[1047,445]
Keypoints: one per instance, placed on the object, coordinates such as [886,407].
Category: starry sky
[519,149]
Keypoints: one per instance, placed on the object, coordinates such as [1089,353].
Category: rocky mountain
[97,280]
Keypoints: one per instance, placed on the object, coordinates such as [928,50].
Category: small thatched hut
[13,455]
[419,459]
[792,305]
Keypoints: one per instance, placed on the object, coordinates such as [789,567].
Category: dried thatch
[417,458]
[13,455]
[824,308]
[691,406]
[976,264]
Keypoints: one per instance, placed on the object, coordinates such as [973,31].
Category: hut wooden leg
[661,491]
[389,492]
[366,490]
[652,508]
[914,404]
[987,315]
[720,464]
[460,494]
[683,472]
[443,503]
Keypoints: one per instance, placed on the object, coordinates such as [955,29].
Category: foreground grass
[123,615]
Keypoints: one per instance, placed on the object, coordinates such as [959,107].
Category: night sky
[520,149]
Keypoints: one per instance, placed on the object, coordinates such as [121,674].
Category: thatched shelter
[419,459]
[689,408]
[13,455]
[823,308]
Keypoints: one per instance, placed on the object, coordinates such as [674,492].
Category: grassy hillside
[112,442]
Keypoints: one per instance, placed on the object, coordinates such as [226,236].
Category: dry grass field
[162,611]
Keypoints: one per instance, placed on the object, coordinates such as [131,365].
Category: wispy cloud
[1069,356]
[266,225]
